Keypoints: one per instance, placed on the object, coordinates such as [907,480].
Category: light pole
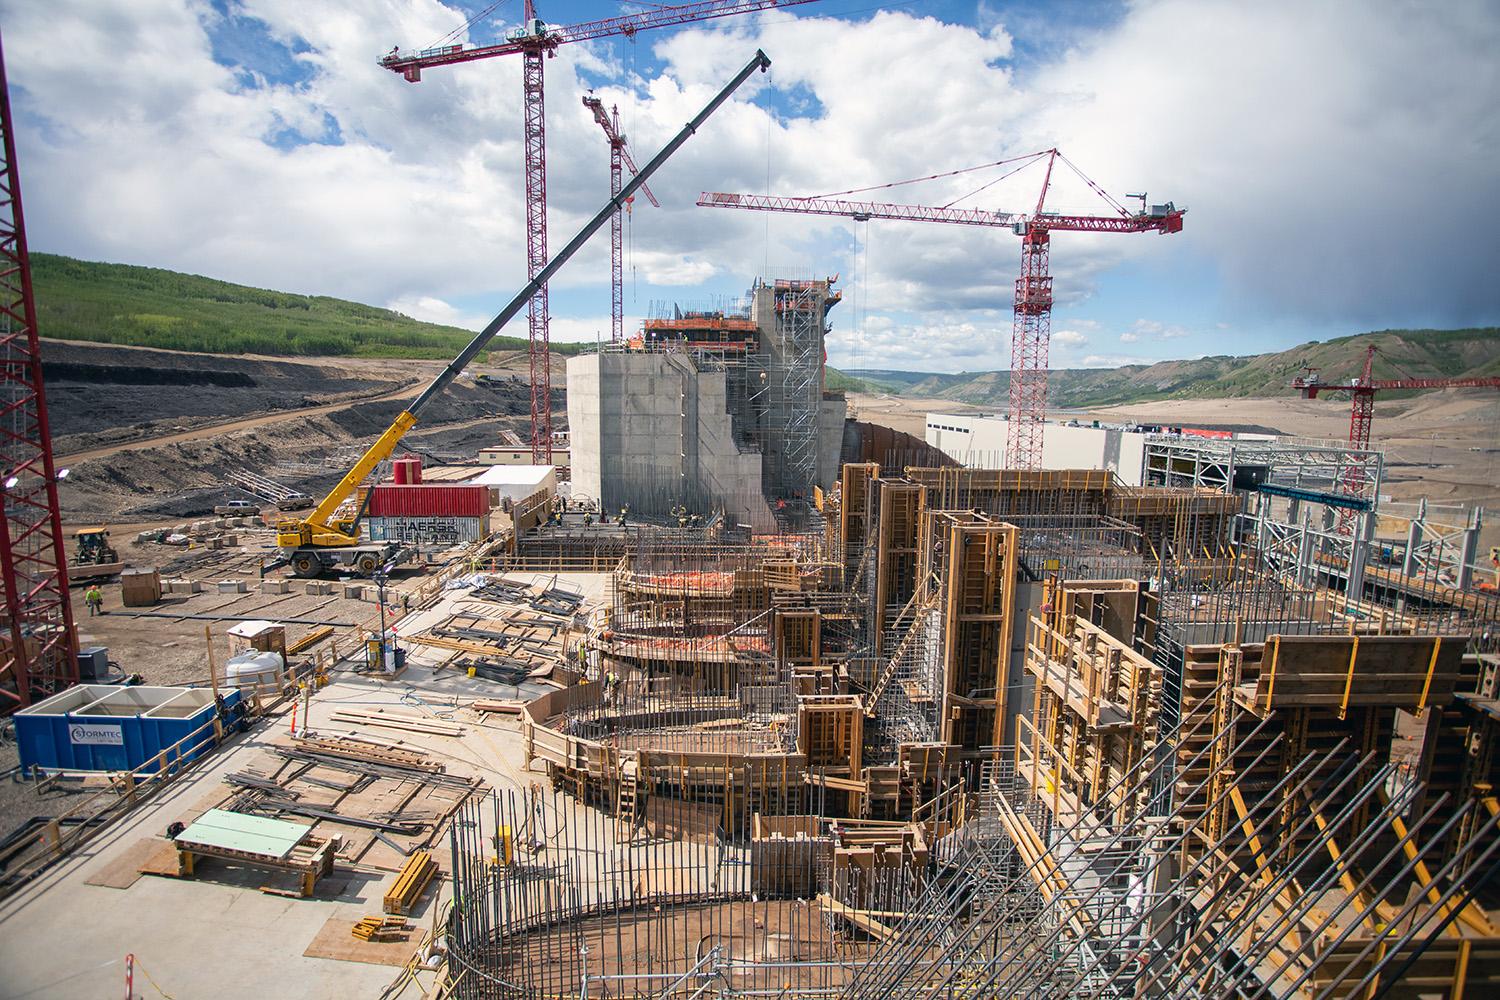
[380,576]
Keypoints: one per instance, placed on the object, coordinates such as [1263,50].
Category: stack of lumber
[398,720]
[369,753]
[410,883]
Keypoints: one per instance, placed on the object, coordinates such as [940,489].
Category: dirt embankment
[150,434]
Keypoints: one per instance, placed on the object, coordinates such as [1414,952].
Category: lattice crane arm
[1168,219]
[536,33]
[617,142]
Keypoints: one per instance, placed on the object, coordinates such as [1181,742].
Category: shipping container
[437,530]
[428,500]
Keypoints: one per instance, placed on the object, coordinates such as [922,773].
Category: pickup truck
[237,507]
[294,501]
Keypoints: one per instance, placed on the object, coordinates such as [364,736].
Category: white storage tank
[254,670]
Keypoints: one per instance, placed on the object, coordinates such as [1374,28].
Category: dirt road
[211,430]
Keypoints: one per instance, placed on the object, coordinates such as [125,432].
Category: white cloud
[1112,361]
[1069,338]
[435,310]
[1266,119]
[1154,329]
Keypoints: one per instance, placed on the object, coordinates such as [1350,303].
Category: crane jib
[317,524]
[759,62]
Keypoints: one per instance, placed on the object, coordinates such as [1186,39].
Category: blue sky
[256,141]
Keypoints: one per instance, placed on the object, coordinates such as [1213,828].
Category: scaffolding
[996,733]
[793,348]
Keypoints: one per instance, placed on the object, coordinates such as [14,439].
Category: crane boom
[320,529]
[1168,220]
[411,64]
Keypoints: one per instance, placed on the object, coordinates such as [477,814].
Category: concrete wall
[651,431]
[831,438]
[980,442]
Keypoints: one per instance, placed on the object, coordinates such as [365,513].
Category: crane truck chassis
[322,541]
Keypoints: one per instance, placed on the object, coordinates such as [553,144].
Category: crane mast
[534,40]
[38,644]
[619,158]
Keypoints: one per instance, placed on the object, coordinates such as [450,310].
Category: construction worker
[611,681]
[94,598]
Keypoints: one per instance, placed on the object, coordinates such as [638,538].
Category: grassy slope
[150,307]
[1401,353]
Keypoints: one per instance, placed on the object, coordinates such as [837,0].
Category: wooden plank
[859,918]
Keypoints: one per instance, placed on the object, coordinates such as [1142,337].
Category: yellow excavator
[322,542]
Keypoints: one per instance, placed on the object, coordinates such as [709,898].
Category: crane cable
[930,177]
[486,12]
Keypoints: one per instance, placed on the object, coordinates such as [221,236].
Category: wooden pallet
[381,929]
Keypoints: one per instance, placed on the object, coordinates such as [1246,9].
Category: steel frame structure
[1297,523]
[39,656]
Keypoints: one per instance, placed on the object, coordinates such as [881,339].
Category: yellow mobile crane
[320,541]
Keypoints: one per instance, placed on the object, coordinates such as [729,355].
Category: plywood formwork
[897,568]
[1016,491]
[1094,719]
[976,554]
[856,511]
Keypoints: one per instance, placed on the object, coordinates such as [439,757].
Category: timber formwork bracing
[995,733]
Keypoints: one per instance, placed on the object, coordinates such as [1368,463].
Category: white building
[980,441]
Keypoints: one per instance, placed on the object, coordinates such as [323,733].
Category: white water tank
[254,669]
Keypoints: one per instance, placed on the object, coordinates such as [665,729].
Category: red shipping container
[428,500]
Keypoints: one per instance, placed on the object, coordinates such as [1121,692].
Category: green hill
[1400,354]
[151,307]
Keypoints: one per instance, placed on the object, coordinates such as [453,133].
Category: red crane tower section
[619,158]
[1362,392]
[534,39]
[38,656]
[1031,330]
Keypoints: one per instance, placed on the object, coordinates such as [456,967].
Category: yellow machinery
[320,541]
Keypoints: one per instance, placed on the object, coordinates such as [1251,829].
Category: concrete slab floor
[60,937]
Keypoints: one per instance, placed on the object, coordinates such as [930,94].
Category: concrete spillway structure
[721,410]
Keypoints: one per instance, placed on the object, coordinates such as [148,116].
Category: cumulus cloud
[1281,125]
[435,310]
[1112,360]
[1069,338]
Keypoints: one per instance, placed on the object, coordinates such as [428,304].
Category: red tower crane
[38,653]
[619,157]
[534,39]
[1031,329]
[1362,390]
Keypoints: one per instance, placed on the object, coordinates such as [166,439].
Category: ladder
[928,600]
[629,796]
